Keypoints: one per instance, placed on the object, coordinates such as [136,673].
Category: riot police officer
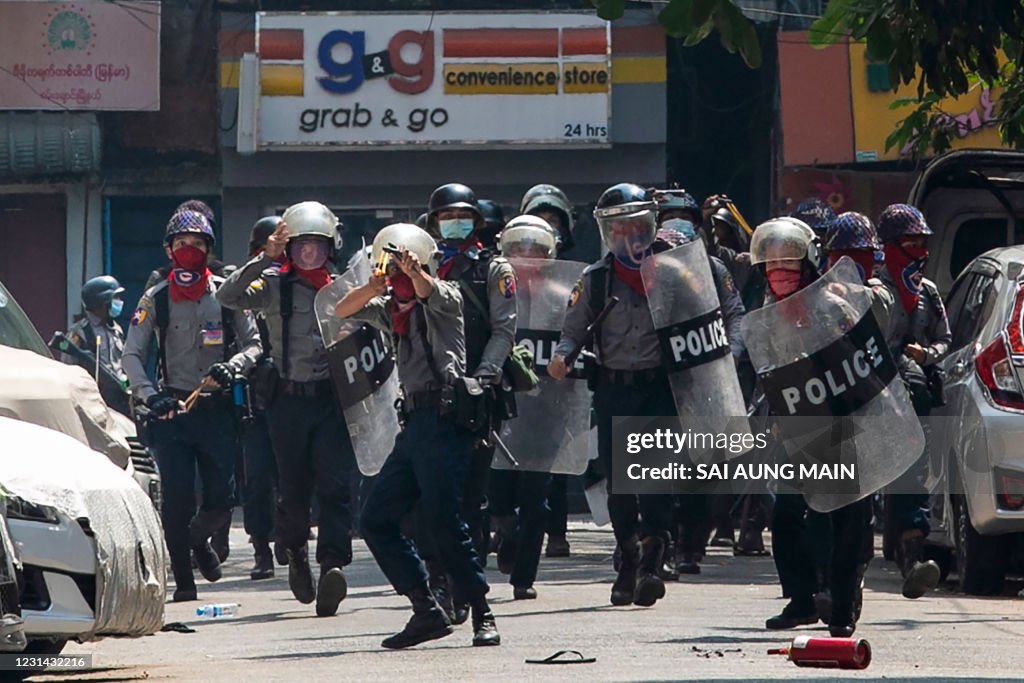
[488,286]
[310,439]
[196,339]
[518,499]
[678,220]
[919,337]
[260,480]
[551,204]
[630,378]
[820,557]
[102,302]
[431,455]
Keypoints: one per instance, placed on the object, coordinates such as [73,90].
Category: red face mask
[401,286]
[865,260]
[189,258]
[783,283]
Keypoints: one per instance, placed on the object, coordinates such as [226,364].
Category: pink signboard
[88,54]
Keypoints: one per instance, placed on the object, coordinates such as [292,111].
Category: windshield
[16,329]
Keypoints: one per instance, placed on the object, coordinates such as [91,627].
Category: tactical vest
[472,276]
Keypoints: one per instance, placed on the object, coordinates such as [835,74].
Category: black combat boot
[263,561]
[428,622]
[485,630]
[207,561]
[625,583]
[300,576]
[649,586]
[438,584]
[919,577]
[331,589]
[793,615]
[220,543]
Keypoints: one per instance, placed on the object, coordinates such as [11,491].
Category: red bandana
[318,278]
[448,258]
[402,301]
[187,285]
[633,278]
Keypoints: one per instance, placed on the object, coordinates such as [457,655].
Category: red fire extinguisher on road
[827,653]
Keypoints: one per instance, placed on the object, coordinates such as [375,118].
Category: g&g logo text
[342,56]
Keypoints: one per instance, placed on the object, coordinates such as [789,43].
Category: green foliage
[693,20]
[945,48]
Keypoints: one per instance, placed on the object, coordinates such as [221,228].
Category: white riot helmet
[528,237]
[408,236]
[783,239]
[312,219]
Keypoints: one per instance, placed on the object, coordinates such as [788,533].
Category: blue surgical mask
[456,228]
[116,306]
[681,225]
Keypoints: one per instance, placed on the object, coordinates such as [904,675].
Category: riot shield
[363,371]
[834,391]
[551,432]
[691,329]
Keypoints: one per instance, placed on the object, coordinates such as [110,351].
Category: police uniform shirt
[442,313]
[501,295]
[83,335]
[194,340]
[627,337]
[256,286]
[927,323]
[731,303]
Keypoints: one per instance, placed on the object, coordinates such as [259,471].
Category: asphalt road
[708,628]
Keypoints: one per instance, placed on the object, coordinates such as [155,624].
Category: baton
[739,217]
[588,336]
[496,441]
[97,375]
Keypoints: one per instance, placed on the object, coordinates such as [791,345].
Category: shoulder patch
[507,285]
[576,293]
[256,285]
[139,316]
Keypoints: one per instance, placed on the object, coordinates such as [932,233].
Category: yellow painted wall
[873,121]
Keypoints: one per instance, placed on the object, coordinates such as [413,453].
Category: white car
[88,537]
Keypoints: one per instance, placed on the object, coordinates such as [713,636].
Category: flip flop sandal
[559,658]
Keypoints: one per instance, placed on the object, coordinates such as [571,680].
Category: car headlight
[19,508]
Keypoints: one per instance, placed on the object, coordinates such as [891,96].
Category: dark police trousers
[204,437]
[260,479]
[909,509]
[427,467]
[798,536]
[314,456]
[558,504]
[526,491]
[644,515]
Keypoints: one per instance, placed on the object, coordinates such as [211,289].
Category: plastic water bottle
[225,609]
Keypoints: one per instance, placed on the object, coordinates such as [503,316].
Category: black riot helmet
[261,232]
[453,196]
[494,221]
[625,215]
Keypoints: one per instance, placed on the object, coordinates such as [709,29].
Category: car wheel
[980,560]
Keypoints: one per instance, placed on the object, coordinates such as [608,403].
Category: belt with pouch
[315,389]
[421,400]
[628,378]
[181,394]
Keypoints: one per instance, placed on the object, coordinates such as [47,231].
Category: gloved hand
[487,376]
[223,374]
[162,406]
